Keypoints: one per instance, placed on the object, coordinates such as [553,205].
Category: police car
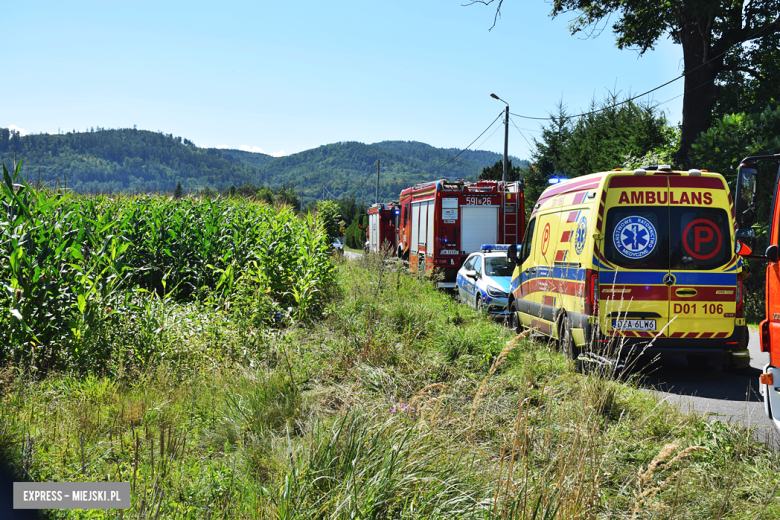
[484,279]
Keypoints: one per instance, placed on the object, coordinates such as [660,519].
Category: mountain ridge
[130,160]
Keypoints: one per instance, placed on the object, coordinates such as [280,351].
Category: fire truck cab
[751,194]
[442,222]
[381,233]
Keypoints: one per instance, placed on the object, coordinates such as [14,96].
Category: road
[727,396]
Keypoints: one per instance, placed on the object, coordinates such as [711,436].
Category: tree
[496,172]
[707,31]
[750,85]
[179,191]
[328,213]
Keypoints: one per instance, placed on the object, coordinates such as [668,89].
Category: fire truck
[442,222]
[752,192]
[381,233]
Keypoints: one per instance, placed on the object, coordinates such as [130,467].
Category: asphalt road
[724,395]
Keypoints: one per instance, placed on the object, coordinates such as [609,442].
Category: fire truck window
[525,249]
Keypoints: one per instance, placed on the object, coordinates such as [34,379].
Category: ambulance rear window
[637,237]
[700,238]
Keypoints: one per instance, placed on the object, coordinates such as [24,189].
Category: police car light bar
[495,247]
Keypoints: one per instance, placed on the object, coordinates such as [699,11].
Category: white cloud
[22,131]
[257,149]
[222,147]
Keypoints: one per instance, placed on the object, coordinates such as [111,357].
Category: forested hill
[130,159]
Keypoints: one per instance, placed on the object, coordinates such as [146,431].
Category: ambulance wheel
[514,318]
[566,340]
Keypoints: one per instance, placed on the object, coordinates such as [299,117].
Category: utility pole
[377,180]
[506,143]
[506,136]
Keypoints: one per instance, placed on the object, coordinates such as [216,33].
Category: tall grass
[71,264]
[395,402]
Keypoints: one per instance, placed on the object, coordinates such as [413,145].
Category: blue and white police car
[483,281]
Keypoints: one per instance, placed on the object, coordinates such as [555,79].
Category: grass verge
[397,403]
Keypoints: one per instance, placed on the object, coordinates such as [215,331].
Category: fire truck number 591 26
[479,201]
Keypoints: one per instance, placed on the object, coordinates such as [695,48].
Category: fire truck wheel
[514,318]
[566,341]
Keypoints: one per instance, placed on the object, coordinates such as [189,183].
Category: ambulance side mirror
[511,254]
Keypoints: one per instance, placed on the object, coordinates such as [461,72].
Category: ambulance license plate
[633,324]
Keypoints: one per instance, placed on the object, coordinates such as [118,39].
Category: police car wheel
[478,305]
[514,318]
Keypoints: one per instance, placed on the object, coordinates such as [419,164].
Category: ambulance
[638,261]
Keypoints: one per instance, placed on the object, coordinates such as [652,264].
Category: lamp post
[506,134]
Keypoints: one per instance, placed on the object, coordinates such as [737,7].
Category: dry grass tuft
[510,346]
[659,463]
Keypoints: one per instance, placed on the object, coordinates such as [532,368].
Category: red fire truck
[442,222]
[751,193]
[382,227]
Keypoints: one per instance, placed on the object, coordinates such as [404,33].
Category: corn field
[71,263]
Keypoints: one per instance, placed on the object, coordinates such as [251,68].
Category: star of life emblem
[635,237]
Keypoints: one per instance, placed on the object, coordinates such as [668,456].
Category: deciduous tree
[707,30]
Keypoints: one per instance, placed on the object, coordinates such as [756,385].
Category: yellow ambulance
[640,260]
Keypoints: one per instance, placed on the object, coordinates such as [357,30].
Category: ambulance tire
[566,340]
[514,318]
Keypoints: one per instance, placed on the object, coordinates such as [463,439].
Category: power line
[469,146]
[753,36]
[521,133]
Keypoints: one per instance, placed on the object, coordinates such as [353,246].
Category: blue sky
[283,77]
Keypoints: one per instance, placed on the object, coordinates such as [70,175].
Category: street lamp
[506,134]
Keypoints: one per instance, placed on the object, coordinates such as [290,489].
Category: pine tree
[179,191]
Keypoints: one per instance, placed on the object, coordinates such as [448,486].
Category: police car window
[478,265]
[498,266]
[469,264]
[699,238]
[637,237]
[525,250]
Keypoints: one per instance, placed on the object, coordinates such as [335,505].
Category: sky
[284,77]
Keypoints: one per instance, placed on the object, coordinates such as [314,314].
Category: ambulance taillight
[591,293]
[739,296]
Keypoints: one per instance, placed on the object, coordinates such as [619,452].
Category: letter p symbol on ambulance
[705,236]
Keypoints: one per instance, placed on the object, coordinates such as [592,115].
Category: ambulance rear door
[703,265]
[634,276]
